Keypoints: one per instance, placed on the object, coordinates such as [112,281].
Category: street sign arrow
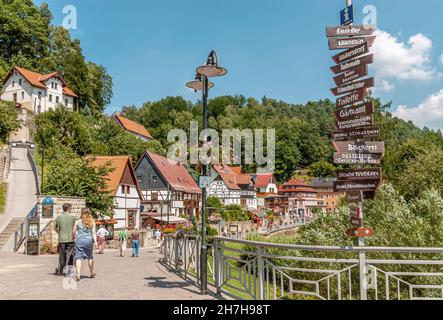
[354,97]
[340,135]
[346,31]
[353,112]
[357,158]
[354,197]
[354,63]
[364,185]
[359,174]
[356,85]
[351,74]
[351,53]
[360,232]
[357,122]
[345,43]
[359,147]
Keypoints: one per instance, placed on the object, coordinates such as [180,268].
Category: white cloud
[398,60]
[441,58]
[387,86]
[429,113]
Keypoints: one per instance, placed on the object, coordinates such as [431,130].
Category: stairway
[9,231]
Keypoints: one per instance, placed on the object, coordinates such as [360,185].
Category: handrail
[19,233]
[34,170]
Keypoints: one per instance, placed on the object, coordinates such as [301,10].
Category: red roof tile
[175,174]
[263,179]
[133,126]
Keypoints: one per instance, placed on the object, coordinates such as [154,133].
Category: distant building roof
[262,180]
[296,185]
[133,126]
[174,173]
[323,182]
[38,80]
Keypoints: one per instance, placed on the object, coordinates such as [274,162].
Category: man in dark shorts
[63,225]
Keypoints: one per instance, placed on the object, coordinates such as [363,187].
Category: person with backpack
[122,238]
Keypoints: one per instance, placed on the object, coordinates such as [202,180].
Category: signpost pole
[361,240]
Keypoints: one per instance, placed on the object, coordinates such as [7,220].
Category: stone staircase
[9,231]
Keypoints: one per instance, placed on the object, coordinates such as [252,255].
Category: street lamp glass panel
[211,71]
[198,85]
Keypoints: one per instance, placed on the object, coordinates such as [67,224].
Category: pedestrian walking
[122,238]
[135,237]
[158,236]
[63,226]
[101,235]
[85,239]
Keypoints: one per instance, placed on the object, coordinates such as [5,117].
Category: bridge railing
[266,271]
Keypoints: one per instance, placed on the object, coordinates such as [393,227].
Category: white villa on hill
[37,92]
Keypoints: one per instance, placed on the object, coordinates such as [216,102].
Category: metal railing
[34,170]
[20,233]
[266,271]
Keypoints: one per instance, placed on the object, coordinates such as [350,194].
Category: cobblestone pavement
[31,277]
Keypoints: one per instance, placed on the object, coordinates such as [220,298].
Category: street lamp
[211,69]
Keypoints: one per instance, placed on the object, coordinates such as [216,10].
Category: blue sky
[273,48]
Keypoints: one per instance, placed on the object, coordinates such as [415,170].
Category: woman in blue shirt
[85,239]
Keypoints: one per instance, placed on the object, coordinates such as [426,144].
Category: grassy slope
[2,197]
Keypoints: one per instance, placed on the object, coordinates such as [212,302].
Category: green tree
[321,169]
[9,121]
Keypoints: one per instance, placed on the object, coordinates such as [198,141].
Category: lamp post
[211,69]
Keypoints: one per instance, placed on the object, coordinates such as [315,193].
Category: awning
[172,219]
[109,221]
[151,214]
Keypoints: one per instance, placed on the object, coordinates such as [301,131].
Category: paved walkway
[31,277]
[21,191]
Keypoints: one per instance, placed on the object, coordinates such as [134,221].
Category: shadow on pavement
[162,282]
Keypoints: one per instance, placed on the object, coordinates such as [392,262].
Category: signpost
[358,122]
[354,197]
[346,31]
[360,233]
[359,174]
[351,53]
[345,43]
[353,97]
[353,86]
[365,109]
[371,132]
[365,185]
[347,15]
[357,158]
[351,74]
[360,147]
[354,63]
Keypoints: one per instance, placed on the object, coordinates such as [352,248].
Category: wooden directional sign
[353,112]
[351,75]
[354,197]
[359,147]
[345,31]
[340,135]
[353,97]
[360,232]
[357,122]
[365,185]
[359,174]
[351,53]
[357,62]
[350,87]
[357,158]
[345,43]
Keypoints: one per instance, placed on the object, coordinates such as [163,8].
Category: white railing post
[261,272]
[362,271]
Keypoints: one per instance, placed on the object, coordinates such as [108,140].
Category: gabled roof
[133,126]
[38,80]
[262,180]
[119,164]
[227,175]
[174,173]
[323,182]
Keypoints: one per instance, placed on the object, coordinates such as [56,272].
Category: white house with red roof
[265,183]
[168,190]
[232,186]
[37,92]
[123,185]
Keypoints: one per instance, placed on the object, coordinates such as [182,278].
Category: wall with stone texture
[48,237]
